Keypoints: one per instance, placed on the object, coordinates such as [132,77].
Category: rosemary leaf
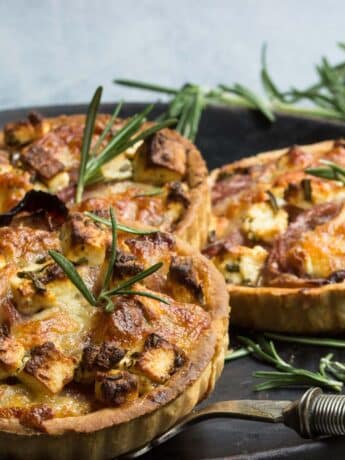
[334,368]
[334,166]
[116,145]
[307,191]
[73,275]
[330,171]
[107,128]
[135,279]
[147,86]
[252,98]
[112,257]
[86,143]
[317,341]
[148,132]
[123,228]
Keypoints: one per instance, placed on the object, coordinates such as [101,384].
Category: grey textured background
[58,51]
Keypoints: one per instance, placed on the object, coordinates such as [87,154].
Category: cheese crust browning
[278,240]
[159,182]
[71,374]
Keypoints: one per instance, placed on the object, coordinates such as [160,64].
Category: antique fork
[314,416]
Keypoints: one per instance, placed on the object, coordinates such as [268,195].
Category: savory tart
[111,326]
[278,238]
[160,181]
[108,333]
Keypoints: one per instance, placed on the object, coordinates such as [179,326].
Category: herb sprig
[286,375]
[326,96]
[104,298]
[188,102]
[128,135]
[330,171]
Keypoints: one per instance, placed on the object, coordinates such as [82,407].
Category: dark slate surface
[226,135]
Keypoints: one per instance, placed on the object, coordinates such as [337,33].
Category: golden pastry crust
[110,432]
[280,276]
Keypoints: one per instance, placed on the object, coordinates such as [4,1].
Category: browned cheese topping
[277,225]
[60,356]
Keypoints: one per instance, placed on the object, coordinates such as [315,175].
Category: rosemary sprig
[129,134]
[121,227]
[188,102]
[69,269]
[327,96]
[286,374]
[87,137]
[124,288]
[330,171]
[251,97]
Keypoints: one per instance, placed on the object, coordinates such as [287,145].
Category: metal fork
[314,416]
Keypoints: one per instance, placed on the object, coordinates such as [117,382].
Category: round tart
[160,181]
[110,331]
[278,238]
[98,367]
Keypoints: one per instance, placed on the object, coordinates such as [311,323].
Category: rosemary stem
[231,355]
[311,112]
[148,86]
[323,342]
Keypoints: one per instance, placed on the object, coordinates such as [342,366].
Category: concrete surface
[58,51]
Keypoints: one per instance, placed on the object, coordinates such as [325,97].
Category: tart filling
[155,182]
[99,337]
[61,356]
[276,225]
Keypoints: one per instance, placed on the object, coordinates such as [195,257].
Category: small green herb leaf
[318,341]
[307,191]
[146,86]
[135,279]
[73,275]
[287,375]
[253,99]
[330,171]
[123,228]
[107,128]
[86,143]
[112,257]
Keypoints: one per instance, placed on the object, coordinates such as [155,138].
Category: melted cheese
[262,223]
[242,265]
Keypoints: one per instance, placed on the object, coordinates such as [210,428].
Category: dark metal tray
[226,135]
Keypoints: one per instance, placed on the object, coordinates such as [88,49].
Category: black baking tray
[226,135]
